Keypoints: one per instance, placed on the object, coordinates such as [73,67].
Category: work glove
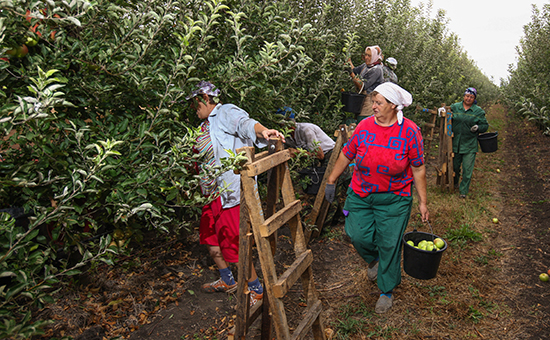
[329,192]
[347,69]
[474,128]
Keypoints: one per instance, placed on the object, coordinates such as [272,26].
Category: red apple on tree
[22,51]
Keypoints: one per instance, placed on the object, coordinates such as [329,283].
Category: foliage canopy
[528,86]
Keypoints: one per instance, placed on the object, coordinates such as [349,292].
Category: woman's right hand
[330,191]
[350,63]
[424,212]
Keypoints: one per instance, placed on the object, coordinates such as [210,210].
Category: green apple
[439,243]
[31,41]
[544,277]
[429,247]
[422,244]
[495,220]
[410,243]
[498,170]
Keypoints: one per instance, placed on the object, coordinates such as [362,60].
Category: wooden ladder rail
[319,212]
[445,170]
[263,231]
[246,315]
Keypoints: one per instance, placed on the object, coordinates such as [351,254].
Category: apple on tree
[22,51]
[31,41]
[18,52]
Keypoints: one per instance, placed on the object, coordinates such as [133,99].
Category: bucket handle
[431,229]
[490,127]
[316,175]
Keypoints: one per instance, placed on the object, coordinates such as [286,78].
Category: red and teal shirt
[383,156]
[205,149]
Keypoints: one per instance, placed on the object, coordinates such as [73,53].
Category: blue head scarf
[287,112]
[472,91]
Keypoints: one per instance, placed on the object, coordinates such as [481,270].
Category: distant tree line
[528,86]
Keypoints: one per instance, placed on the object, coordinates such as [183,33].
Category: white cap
[392,61]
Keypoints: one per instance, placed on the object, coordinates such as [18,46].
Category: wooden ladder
[264,231]
[445,170]
[319,212]
[428,134]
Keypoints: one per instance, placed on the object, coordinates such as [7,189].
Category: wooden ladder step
[429,125]
[289,277]
[305,325]
[281,217]
[268,162]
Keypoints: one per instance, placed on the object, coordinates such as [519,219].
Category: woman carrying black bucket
[367,76]
[388,153]
[468,121]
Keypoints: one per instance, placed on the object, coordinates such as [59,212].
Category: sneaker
[372,271]
[255,297]
[217,286]
[462,196]
[384,304]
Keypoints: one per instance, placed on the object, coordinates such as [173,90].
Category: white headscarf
[396,95]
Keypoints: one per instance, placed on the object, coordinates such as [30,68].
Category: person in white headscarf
[389,70]
[389,156]
[368,76]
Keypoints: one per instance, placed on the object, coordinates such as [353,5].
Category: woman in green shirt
[468,121]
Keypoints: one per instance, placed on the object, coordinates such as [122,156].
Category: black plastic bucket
[488,141]
[353,102]
[418,263]
[316,175]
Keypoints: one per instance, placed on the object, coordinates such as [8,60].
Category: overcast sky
[489,30]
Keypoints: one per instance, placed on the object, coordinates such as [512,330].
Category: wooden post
[245,261]
[445,176]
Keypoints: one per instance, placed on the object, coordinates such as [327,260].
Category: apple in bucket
[439,243]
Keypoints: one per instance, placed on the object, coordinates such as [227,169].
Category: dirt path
[525,188]
[487,289]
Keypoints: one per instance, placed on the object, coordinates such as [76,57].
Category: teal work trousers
[466,161]
[376,225]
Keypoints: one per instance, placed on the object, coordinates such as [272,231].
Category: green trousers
[376,225]
[467,161]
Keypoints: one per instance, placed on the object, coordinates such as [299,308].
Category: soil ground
[486,289]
